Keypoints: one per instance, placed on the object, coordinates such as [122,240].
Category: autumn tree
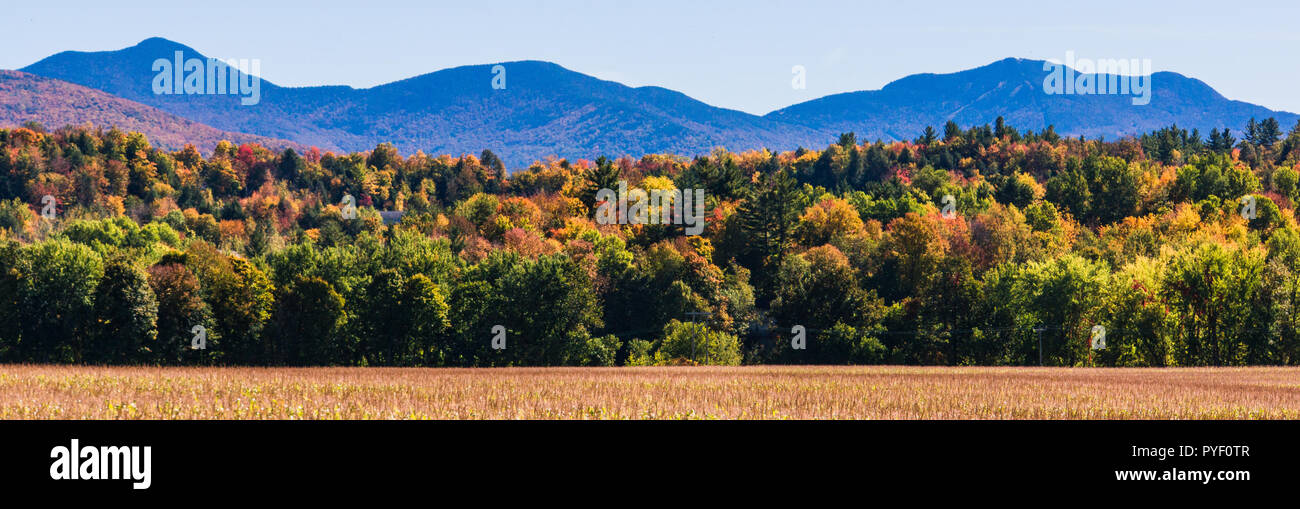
[180,310]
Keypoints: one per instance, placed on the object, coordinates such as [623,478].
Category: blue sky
[735,54]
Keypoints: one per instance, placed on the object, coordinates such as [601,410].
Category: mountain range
[1013,88]
[545,109]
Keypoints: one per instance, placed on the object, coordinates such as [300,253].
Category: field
[73,392]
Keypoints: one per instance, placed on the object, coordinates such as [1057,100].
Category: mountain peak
[157,41]
[162,47]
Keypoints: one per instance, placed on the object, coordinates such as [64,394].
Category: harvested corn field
[69,392]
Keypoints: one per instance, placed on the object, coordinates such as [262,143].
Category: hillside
[25,97]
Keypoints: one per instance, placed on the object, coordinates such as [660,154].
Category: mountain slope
[544,110]
[1013,89]
[26,97]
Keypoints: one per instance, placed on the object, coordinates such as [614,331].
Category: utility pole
[1039,329]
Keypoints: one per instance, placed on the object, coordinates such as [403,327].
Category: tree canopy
[963,246]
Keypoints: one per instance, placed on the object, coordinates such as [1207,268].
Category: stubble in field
[70,392]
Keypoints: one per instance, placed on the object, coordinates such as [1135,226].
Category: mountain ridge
[544,110]
[904,107]
[549,110]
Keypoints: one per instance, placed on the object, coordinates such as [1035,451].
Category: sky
[734,54]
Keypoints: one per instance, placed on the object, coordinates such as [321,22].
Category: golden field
[760,392]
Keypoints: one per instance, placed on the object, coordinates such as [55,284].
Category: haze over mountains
[546,109]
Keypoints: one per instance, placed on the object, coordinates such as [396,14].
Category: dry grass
[69,392]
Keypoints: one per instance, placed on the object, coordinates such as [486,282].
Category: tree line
[966,246]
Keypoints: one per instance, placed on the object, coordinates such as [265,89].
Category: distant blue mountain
[1013,89]
[546,109]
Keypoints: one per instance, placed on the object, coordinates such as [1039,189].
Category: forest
[984,245]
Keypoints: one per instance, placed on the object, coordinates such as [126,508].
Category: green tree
[1215,292]
[126,314]
[1139,328]
[1285,181]
[819,289]
[605,175]
[1100,190]
[1063,297]
[545,306]
[11,286]
[241,298]
[405,320]
[308,316]
[769,217]
[928,137]
[58,279]
[429,321]
[695,342]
